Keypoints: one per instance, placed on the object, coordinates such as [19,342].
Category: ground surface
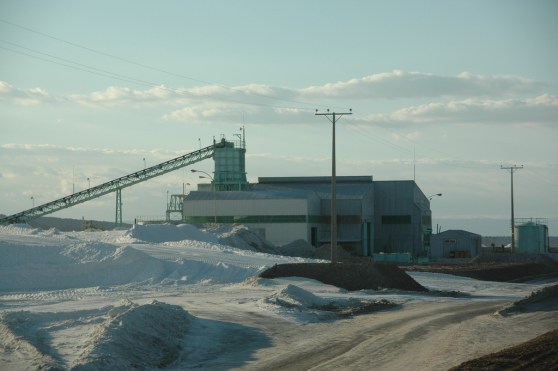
[497,272]
[350,276]
[537,354]
[180,298]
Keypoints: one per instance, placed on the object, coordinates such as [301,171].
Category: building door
[314,236]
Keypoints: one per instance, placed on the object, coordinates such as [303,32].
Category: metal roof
[250,195]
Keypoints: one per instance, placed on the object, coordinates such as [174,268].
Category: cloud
[26,97]
[540,110]
[44,150]
[464,98]
[403,85]
[388,85]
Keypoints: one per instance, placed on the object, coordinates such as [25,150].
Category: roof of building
[314,179]
[250,195]
[455,232]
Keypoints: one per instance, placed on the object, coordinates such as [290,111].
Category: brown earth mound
[350,276]
[498,272]
[541,353]
[541,300]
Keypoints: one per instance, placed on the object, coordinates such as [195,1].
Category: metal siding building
[370,215]
[403,220]
[280,217]
[455,244]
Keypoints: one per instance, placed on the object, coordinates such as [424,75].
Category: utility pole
[333,115]
[512,169]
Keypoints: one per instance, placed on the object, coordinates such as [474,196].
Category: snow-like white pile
[158,233]
[47,261]
[137,336]
[292,296]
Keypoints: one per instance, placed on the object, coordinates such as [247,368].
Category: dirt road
[421,336]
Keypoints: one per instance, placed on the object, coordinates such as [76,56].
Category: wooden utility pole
[333,115]
[512,169]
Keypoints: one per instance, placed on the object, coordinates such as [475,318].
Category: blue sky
[442,91]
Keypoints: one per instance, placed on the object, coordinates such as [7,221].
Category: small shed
[455,243]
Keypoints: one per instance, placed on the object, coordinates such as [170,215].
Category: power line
[129,61]
[367,132]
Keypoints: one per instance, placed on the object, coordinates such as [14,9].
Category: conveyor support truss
[115,185]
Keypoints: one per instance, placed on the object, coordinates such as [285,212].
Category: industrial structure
[456,244]
[531,235]
[388,217]
[373,217]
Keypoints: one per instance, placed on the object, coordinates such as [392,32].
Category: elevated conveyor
[115,185]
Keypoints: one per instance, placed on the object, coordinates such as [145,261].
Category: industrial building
[455,244]
[372,216]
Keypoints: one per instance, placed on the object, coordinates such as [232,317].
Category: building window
[427,219]
[396,219]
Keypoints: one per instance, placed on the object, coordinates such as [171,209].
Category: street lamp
[89,182]
[431,196]
[207,176]
[33,200]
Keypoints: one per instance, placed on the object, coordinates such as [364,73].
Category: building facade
[452,244]
[372,217]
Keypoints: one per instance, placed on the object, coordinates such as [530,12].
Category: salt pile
[139,336]
[158,233]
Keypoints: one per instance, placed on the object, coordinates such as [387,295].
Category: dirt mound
[515,258]
[324,252]
[540,300]
[350,276]
[497,272]
[541,353]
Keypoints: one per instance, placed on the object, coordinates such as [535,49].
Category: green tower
[230,165]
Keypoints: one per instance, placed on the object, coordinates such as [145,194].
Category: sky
[442,92]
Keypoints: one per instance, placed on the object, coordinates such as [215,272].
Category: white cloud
[388,85]
[464,98]
[25,97]
[541,110]
[401,84]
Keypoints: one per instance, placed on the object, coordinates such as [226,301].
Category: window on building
[396,219]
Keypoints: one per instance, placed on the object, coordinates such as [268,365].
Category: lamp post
[437,194]
[33,200]
[207,176]
[89,182]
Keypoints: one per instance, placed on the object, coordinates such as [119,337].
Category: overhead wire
[105,73]
[129,61]
[362,129]
[365,131]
